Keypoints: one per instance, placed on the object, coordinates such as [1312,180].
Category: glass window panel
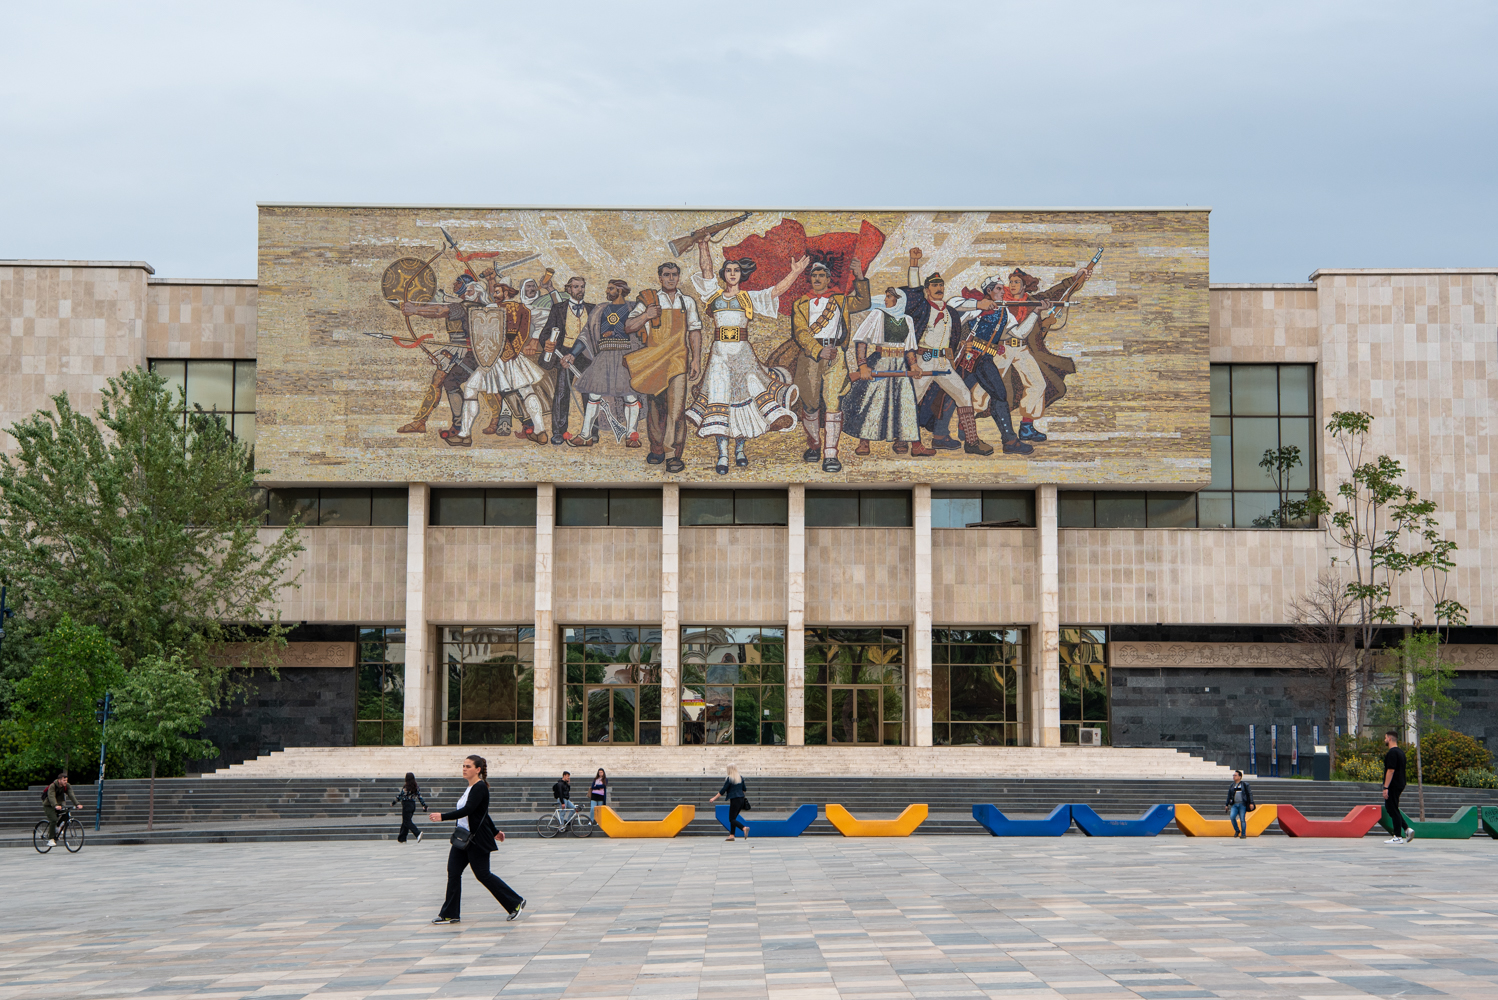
[1297,431]
[705,507]
[717,715]
[955,508]
[1009,505]
[244,429]
[773,705]
[1252,436]
[395,695]
[761,507]
[1120,509]
[1222,453]
[244,386]
[1214,510]
[1250,506]
[457,507]
[1296,389]
[583,508]
[210,384]
[831,509]
[884,509]
[1074,508]
[367,734]
[1221,374]
[175,373]
[1172,510]
[598,716]
[511,508]
[387,506]
[1255,390]
[343,508]
[746,715]
[650,703]
[286,504]
[370,694]
[867,715]
[634,508]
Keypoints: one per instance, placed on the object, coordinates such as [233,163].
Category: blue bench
[1148,825]
[996,823]
[793,826]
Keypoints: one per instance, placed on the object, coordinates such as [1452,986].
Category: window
[613,682]
[1124,509]
[704,507]
[490,683]
[513,508]
[338,508]
[975,681]
[982,509]
[857,509]
[1258,408]
[1084,683]
[226,387]
[855,686]
[380,703]
[609,508]
[732,685]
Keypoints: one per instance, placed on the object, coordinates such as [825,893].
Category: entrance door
[856,714]
[610,713]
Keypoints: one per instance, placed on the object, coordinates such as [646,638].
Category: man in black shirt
[562,792]
[1393,785]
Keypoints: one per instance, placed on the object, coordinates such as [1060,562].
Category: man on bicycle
[562,792]
[52,805]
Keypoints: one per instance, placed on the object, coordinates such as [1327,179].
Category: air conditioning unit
[1091,737]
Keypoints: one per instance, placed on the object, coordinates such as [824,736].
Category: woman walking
[407,798]
[472,843]
[738,800]
[599,796]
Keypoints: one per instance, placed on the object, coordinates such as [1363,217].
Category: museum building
[880,610]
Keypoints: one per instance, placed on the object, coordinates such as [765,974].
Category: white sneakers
[51,843]
[1409,835]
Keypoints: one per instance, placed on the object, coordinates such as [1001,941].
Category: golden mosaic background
[330,398]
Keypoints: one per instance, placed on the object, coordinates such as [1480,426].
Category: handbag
[746,806]
[460,838]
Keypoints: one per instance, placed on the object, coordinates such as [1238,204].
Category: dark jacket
[735,790]
[53,799]
[1248,794]
[407,800]
[918,308]
[562,790]
[481,827]
[556,325]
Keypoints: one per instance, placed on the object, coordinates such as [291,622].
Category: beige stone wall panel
[481,576]
[733,575]
[347,575]
[608,576]
[984,576]
[860,576]
[1265,324]
[201,320]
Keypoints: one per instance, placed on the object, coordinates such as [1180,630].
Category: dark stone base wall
[1210,710]
[304,707]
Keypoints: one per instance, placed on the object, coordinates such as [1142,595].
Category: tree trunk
[1420,777]
[151,808]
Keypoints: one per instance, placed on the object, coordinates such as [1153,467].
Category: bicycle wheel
[548,826]
[582,825]
[39,838]
[72,836]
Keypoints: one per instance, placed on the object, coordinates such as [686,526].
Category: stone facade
[303,707]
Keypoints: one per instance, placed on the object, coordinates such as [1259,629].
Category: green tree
[146,529]
[1418,699]
[1279,463]
[54,709]
[160,703]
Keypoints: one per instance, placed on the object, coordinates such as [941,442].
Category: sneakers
[1396,840]
[448,920]
[516,912]
[418,836]
[51,843]
[1409,835]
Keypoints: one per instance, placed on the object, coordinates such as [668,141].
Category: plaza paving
[810,919]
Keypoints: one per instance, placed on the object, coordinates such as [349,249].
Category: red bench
[1355,824]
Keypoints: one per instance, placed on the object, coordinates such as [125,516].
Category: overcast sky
[1336,134]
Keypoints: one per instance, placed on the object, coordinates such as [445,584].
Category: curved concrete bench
[1194,824]
[1358,821]
[1461,826]
[1148,825]
[901,826]
[996,823]
[792,826]
[675,822]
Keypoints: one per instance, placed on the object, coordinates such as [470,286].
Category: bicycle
[69,831]
[565,819]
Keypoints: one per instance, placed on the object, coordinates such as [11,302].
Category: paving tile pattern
[802,920]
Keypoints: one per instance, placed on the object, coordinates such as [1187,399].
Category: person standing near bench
[1240,803]
[738,800]
[407,798]
[598,795]
[1394,768]
[473,841]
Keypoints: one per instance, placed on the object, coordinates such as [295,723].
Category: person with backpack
[562,792]
[53,797]
[1240,803]
[407,798]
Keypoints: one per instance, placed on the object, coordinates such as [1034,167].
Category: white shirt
[763,302]
[834,328]
[462,801]
[938,335]
[673,300]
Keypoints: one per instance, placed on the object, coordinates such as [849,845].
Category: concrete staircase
[753,761]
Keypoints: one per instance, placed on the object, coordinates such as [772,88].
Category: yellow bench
[1194,824]
[902,826]
[675,822]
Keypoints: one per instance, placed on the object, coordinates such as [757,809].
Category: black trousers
[1392,804]
[736,806]
[478,860]
[408,809]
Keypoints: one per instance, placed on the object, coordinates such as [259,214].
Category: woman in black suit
[472,814]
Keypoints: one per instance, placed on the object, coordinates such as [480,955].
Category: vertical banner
[1274,750]
[1294,750]
[1253,751]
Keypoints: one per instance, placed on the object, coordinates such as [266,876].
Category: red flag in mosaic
[773,252]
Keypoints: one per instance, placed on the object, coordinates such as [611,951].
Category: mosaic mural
[601,345]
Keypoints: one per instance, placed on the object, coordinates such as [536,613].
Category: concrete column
[416,723]
[670,614]
[544,717]
[1048,643]
[920,641]
[795,618]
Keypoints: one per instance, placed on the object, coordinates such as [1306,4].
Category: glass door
[610,714]
[856,714]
